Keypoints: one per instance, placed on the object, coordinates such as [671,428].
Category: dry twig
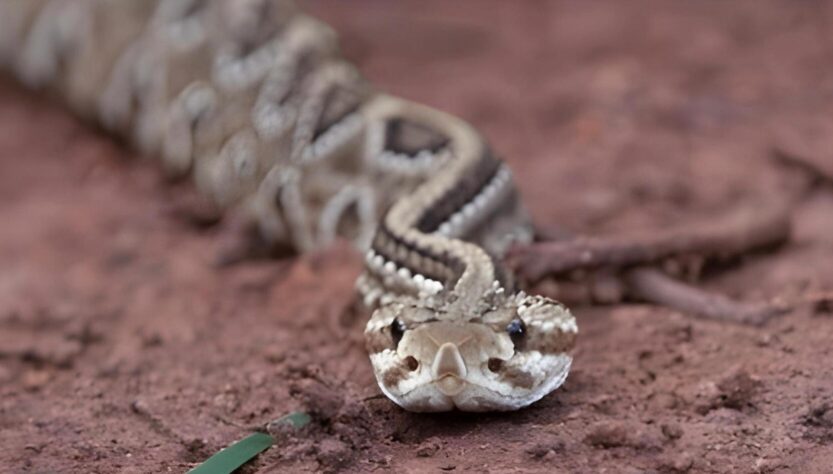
[652,285]
[734,234]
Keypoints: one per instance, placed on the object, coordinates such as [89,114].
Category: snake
[254,102]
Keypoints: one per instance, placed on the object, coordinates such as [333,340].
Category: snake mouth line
[450,385]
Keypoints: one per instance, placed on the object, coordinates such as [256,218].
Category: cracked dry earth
[124,349]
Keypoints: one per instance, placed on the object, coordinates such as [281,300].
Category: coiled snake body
[252,99]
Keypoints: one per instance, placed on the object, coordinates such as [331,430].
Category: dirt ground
[123,348]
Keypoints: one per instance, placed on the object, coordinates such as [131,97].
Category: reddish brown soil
[123,349]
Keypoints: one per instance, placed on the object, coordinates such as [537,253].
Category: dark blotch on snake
[397,330]
[517,332]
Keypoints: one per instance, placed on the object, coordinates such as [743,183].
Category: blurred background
[122,349]
[639,100]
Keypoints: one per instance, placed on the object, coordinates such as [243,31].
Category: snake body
[252,99]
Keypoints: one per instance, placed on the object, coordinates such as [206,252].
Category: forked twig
[733,234]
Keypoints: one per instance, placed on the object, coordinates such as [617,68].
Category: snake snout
[449,370]
[448,361]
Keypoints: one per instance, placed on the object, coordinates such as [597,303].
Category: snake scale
[252,99]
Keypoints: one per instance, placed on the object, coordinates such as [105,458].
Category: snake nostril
[411,363]
[495,364]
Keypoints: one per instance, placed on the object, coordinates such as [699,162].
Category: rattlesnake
[252,99]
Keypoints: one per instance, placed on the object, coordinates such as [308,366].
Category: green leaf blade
[234,456]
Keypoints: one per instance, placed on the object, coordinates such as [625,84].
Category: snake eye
[397,330]
[517,331]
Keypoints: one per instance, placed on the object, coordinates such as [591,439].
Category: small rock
[672,431]
[227,400]
[769,465]
[195,445]
[274,355]
[34,379]
[681,333]
[608,435]
[545,450]
[602,403]
[819,416]
[680,463]
[333,454]
[737,390]
[734,391]
[428,448]
[767,340]
[666,400]
[724,416]
[618,434]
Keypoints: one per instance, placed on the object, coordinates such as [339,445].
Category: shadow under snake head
[430,358]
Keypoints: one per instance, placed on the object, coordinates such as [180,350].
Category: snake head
[429,359]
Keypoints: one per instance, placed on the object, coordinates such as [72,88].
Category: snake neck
[422,246]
